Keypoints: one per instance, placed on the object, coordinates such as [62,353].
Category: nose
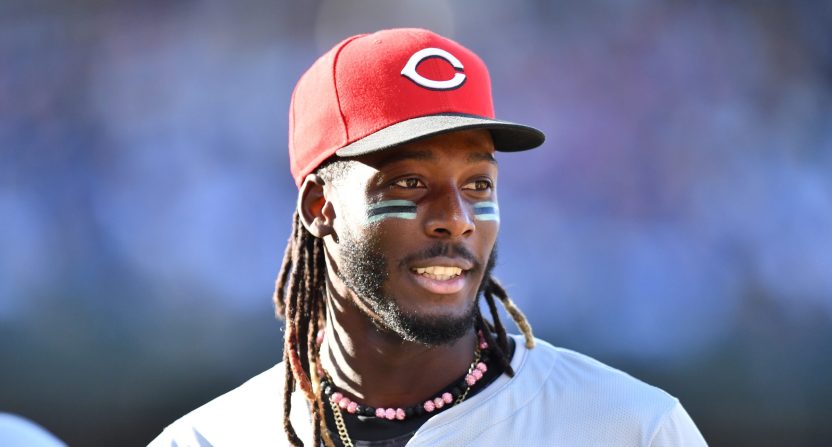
[449,216]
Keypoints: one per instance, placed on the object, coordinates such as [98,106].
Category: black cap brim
[507,136]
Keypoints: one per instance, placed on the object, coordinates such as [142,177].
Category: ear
[316,213]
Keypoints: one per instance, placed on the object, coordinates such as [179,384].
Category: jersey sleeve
[678,430]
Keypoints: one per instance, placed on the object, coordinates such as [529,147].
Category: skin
[445,176]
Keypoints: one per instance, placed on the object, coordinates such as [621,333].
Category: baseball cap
[375,91]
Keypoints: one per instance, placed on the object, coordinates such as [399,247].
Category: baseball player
[392,141]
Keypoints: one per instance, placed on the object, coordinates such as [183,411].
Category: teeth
[439,272]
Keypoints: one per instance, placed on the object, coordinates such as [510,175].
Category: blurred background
[677,223]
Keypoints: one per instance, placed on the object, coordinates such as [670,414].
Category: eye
[479,185]
[409,183]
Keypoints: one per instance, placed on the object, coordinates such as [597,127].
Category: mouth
[442,277]
[438,272]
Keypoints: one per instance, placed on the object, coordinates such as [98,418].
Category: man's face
[413,241]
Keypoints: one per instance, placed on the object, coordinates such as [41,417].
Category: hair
[300,300]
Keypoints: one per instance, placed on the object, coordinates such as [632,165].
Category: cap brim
[507,136]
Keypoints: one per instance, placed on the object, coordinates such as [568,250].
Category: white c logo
[409,70]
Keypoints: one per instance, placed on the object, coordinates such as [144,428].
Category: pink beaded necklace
[339,402]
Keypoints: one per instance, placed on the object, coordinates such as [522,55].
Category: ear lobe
[316,213]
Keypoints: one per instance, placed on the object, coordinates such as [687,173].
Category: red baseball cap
[375,91]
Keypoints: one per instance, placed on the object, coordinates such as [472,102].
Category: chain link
[339,424]
[470,370]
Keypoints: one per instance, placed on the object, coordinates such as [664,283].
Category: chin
[428,328]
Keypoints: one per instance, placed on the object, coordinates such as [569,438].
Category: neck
[377,367]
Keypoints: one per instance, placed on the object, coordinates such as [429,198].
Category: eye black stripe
[485,210]
[391,209]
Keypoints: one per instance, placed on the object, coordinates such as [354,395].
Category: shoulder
[251,414]
[17,430]
[579,376]
[561,397]
[598,403]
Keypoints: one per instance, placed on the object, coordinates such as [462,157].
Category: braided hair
[300,300]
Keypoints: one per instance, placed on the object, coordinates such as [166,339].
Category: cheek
[384,222]
[394,239]
[395,233]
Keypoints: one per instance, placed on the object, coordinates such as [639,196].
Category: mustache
[442,249]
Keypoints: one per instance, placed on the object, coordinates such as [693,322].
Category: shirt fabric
[557,397]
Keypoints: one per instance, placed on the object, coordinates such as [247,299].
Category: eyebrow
[474,157]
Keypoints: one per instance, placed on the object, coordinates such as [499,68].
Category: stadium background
[677,223]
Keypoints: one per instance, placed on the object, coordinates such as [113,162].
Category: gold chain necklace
[339,424]
[470,380]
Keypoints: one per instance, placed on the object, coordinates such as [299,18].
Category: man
[392,139]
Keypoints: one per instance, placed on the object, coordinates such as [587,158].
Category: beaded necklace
[339,402]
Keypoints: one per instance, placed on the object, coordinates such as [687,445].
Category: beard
[364,271]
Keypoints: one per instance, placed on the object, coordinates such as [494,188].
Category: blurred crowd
[677,223]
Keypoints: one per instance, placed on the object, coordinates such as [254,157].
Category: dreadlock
[300,300]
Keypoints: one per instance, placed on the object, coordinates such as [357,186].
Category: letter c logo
[409,70]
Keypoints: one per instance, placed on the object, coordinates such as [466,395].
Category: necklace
[339,402]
